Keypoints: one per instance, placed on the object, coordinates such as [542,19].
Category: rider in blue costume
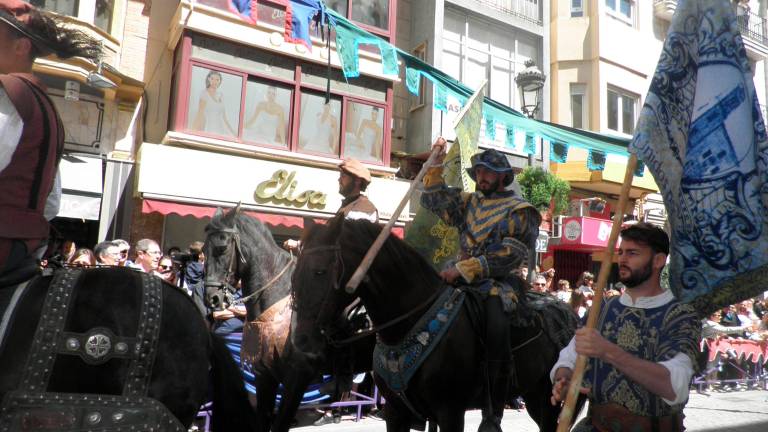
[497,229]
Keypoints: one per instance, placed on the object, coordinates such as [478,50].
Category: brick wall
[145,225]
[134,44]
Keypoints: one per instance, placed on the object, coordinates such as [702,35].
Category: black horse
[239,248]
[397,289]
[100,347]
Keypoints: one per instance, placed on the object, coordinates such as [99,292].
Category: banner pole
[566,413]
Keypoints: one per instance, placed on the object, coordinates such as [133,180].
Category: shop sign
[281,189]
[572,230]
[542,242]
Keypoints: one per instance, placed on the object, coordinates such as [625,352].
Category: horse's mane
[258,245]
[358,235]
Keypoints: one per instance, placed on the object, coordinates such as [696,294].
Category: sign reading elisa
[281,189]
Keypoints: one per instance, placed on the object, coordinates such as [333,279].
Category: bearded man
[497,229]
[643,351]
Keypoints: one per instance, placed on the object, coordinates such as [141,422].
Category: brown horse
[397,289]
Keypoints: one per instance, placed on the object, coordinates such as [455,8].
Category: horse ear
[334,226]
[236,210]
[219,213]
[309,223]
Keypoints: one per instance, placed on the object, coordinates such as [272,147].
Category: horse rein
[267,285]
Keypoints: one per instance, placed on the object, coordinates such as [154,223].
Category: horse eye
[319,272]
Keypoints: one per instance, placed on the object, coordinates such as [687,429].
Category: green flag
[436,241]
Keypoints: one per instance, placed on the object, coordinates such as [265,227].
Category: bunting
[298,18]
[246,9]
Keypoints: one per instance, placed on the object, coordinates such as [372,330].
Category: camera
[183,258]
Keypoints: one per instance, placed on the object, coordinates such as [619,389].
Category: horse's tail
[231,409]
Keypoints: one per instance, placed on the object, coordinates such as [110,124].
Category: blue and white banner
[702,136]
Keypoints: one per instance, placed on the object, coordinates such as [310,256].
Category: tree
[542,189]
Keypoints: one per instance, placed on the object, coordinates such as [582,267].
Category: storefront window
[364,132]
[267,110]
[283,102]
[103,17]
[100,16]
[372,13]
[62,7]
[214,102]
[319,125]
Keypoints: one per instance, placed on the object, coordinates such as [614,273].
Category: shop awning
[81,187]
[200,211]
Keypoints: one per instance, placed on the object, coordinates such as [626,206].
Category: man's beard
[637,277]
[489,188]
[346,190]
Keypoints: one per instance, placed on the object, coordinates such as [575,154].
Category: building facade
[475,41]
[603,57]
[238,114]
[99,105]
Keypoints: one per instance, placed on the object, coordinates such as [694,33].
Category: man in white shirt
[642,353]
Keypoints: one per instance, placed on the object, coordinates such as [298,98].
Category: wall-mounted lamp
[96,79]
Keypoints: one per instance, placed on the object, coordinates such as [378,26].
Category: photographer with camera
[192,273]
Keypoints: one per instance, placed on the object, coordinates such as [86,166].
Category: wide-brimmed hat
[354,167]
[16,13]
[493,160]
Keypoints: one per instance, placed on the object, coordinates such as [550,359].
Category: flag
[298,18]
[702,136]
[428,234]
[245,8]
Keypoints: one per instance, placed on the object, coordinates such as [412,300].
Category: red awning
[200,211]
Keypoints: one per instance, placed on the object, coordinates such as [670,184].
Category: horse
[111,348]
[397,289]
[240,248]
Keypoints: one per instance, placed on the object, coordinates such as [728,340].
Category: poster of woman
[364,132]
[267,111]
[319,125]
[214,102]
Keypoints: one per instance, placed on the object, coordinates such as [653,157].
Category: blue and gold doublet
[495,231]
[655,334]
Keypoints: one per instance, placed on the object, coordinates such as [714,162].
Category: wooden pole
[365,264]
[566,414]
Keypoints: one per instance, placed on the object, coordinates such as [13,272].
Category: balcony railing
[752,26]
[528,10]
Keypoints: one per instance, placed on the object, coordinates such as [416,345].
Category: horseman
[497,229]
[32,133]
[354,179]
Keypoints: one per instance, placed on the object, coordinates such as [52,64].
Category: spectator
[107,253]
[193,275]
[148,255]
[229,320]
[549,276]
[82,257]
[64,254]
[166,270]
[579,304]
[125,248]
[563,290]
[584,284]
[539,284]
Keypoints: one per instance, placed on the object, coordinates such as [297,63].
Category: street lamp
[530,81]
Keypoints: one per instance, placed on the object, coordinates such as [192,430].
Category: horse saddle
[32,407]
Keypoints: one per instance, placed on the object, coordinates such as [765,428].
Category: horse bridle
[329,336]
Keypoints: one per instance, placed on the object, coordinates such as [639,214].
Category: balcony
[753,27]
[527,10]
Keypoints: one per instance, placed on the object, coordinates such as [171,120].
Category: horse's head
[319,299]
[223,255]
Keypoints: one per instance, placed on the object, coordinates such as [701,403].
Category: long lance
[566,414]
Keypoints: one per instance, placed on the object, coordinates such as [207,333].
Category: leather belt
[612,417]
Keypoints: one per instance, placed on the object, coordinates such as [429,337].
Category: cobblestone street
[744,411]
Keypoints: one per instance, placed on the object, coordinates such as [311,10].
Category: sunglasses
[124,252]
[538,284]
[166,267]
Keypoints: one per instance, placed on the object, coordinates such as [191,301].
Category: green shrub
[541,187]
